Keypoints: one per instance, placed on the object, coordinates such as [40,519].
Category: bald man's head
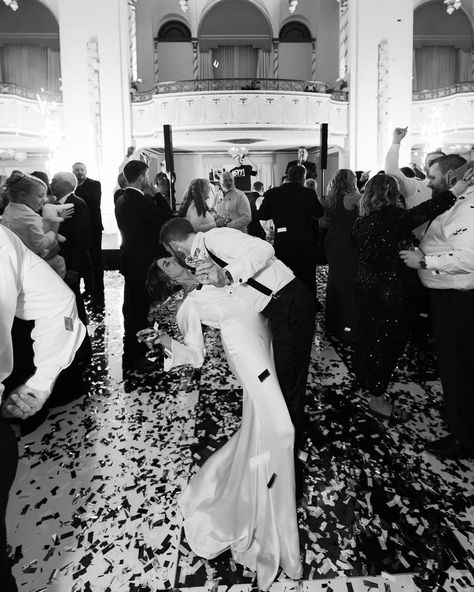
[63,183]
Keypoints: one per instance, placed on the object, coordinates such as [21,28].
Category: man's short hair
[257,186]
[296,173]
[450,162]
[177,229]
[133,169]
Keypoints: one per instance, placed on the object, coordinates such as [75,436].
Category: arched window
[442,45]
[295,32]
[174,31]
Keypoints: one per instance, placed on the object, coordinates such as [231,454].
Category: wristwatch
[228,276]
[422,263]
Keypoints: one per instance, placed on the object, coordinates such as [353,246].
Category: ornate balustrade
[237,84]
[8,88]
[447,91]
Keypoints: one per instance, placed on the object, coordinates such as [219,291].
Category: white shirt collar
[64,197]
[135,189]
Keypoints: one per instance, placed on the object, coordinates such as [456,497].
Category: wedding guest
[234,497]
[31,291]
[139,221]
[195,209]
[76,230]
[246,268]
[341,209]
[233,205]
[255,197]
[243,171]
[445,264]
[26,195]
[386,291]
[91,192]
[294,210]
[303,161]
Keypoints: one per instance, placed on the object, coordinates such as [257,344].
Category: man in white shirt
[233,207]
[445,263]
[30,290]
[246,267]
[415,191]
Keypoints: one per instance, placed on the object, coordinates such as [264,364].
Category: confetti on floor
[93,507]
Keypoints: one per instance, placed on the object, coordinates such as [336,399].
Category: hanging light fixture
[292,4]
[184,5]
[13,4]
[452,5]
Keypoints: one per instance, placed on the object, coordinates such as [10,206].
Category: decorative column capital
[195,43]
[275,42]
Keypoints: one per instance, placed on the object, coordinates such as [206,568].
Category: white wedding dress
[243,497]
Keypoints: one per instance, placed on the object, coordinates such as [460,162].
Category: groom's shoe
[448,447]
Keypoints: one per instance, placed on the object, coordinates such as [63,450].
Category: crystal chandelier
[452,5]
[184,5]
[292,4]
[13,4]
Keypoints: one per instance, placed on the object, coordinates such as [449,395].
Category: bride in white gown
[243,497]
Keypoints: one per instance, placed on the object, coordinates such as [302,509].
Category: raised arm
[408,186]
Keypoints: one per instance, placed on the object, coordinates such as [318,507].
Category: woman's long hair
[158,285]
[197,192]
[343,182]
[380,191]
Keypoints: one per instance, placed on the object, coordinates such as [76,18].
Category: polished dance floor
[93,506]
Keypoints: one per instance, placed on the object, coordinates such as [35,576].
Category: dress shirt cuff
[43,380]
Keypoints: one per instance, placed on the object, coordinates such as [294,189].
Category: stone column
[96,93]
[195,43]
[155,61]
[132,35]
[343,38]
[380,61]
[275,57]
[313,59]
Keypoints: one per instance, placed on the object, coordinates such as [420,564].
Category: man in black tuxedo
[303,160]
[75,250]
[90,191]
[139,221]
[293,209]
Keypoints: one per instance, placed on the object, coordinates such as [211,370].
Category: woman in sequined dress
[243,497]
[386,291]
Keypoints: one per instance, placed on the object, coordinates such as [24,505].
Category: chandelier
[292,4]
[184,5]
[13,4]
[237,151]
[452,5]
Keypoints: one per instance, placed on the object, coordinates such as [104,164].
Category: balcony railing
[244,84]
[447,91]
[8,88]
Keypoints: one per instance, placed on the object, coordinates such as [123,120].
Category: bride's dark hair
[158,285]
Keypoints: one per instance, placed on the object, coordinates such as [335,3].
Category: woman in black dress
[386,291]
[340,211]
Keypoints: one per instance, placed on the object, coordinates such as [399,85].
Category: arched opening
[29,54]
[295,50]
[442,47]
[234,41]
[174,31]
[294,32]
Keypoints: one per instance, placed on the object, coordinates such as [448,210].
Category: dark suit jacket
[77,231]
[293,209]
[309,166]
[254,228]
[91,193]
[139,221]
